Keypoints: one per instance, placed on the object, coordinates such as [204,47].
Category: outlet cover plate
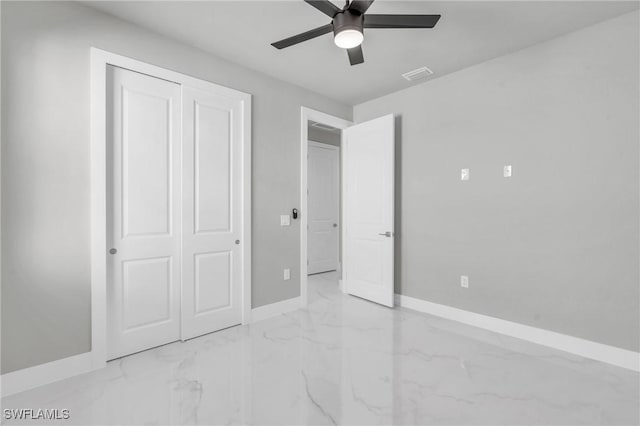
[464,281]
[464,174]
[507,171]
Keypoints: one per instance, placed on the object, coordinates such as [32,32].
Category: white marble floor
[346,361]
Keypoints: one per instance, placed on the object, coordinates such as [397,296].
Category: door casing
[306,115]
[99,61]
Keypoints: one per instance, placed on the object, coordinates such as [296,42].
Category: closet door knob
[113,251]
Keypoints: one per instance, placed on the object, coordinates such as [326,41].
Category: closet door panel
[143,146]
[211,192]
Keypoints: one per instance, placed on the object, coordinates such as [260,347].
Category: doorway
[323,203]
[171,220]
[318,125]
[366,194]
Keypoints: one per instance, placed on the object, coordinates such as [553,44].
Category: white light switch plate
[287,274]
[285,220]
[464,281]
[507,171]
[464,174]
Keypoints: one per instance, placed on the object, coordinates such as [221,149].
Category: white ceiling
[468,33]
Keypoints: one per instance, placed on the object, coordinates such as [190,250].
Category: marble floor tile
[346,361]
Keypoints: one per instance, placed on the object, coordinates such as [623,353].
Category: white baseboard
[275,309]
[575,345]
[29,378]
[39,375]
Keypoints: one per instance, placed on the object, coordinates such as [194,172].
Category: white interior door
[323,207]
[143,138]
[212,225]
[368,206]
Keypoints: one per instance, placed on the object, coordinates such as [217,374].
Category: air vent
[417,74]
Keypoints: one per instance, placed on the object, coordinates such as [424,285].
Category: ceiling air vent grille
[417,74]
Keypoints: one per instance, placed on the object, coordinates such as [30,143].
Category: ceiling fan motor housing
[347,20]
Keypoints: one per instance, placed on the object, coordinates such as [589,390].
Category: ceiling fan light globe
[348,39]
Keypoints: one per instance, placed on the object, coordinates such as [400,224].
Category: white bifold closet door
[143,291]
[173,212]
[212,213]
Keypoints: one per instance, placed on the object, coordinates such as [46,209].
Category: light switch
[464,174]
[507,171]
[287,274]
[285,220]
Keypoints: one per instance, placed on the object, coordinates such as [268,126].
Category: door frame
[99,61]
[306,115]
[337,149]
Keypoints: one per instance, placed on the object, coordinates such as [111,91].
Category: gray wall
[557,245]
[45,169]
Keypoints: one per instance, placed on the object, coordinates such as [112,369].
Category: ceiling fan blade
[325,6]
[360,6]
[355,55]
[400,21]
[308,35]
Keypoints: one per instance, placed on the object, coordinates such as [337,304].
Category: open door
[368,206]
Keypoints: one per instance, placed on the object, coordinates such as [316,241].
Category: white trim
[1,102]
[274,309]
[98,208]
[99,61]
[306,115]
[246,209]
[32,377]
[575,345]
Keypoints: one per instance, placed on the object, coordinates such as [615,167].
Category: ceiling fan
[348,25]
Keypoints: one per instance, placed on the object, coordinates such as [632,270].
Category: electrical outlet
[285,220]
[287,274]
[464,281]
[464,174]
[507,171]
